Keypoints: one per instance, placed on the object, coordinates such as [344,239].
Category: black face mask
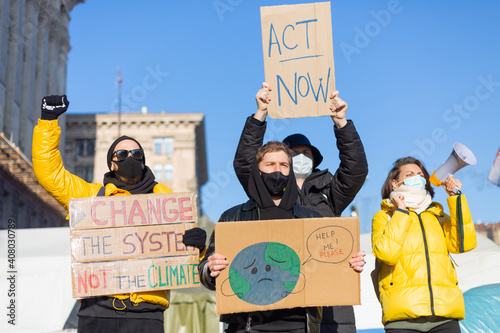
[130,168]
[275,182]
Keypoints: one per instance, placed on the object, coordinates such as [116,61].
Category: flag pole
[120,80]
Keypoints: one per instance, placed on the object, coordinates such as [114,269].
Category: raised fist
[53,106]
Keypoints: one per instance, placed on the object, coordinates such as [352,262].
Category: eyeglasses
[122,154]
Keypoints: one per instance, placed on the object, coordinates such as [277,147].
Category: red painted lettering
[172,211]
[332,253]
[152,211]
[97,284]
[93,213]
[118,211]
[82,282]
[185,209]
[104,276]
[136,211]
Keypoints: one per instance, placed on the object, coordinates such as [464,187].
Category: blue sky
[417,75]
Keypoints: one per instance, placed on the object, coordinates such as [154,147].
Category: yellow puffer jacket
[62,185]
[417,277]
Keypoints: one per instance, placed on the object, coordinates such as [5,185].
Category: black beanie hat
[300,139]
[111,149]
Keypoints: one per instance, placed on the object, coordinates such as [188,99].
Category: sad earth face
[264,273]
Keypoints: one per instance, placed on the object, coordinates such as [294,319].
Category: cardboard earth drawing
[280,264]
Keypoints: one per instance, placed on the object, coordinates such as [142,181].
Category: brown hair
[394,174]
[273,146]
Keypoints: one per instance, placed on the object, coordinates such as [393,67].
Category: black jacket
[325,193]
[249,211]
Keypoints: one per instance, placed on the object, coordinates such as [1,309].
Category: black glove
[53,106]
[195,237]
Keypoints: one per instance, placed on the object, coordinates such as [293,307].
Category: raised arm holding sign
[327,193]
[126,311]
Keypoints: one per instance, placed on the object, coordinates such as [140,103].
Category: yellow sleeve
[458,227]
[49,169]
[389,235]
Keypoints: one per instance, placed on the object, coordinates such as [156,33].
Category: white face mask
[416,181]
[302,166]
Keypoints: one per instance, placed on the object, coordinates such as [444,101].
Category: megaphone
[460,157]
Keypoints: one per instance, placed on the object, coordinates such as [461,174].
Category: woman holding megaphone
[412,238]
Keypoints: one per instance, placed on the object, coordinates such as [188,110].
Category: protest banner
[279,264]
[128,210]
[125,276]
[133,243]
[298,59]
[129,243]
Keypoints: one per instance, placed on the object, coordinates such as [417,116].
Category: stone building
[174,146]
[34,44]
[490,230]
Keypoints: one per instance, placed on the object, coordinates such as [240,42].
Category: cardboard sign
[279,264]
[298,59]
[132,243]
[129,210]
[125,276]
[127,243]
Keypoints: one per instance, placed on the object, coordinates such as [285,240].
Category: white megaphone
[460,157]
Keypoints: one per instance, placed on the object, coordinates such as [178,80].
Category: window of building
[90,147]
[163,172]
[80,172]
[158,143]
[89,174]
[169,146]
[158,171]
[80,147]
[169,170]
[85,172]
[84,147]
[164,145]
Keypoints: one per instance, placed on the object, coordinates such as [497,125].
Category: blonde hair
[273,146]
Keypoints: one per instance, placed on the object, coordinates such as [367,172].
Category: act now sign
[298,59]
[132,243]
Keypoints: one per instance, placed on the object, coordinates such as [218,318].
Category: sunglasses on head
[122,154]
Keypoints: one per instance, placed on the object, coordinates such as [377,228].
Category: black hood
[111,149]
[259,193]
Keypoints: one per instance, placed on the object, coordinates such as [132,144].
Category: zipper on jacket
[460,222]
[248,328]
[428,263]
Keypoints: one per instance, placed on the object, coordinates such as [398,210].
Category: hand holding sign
[339,109]
[263,98]
[358,261]
[216,263]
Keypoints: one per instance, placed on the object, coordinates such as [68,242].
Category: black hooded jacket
[260,204]
[325,193]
